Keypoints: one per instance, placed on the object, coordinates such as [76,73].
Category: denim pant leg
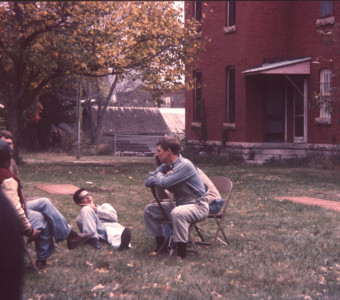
[56,221]
[215,206]
[88,221]
[44,244]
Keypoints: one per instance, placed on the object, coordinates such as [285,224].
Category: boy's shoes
[80,239]
[125,239]
[96,244]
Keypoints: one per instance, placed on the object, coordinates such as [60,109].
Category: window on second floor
[231,13]
[326,9]
[198,12]
[198,102]
[325,89]
[230,21]
[230,94]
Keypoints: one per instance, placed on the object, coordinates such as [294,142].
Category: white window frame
[325,87]
[230,27]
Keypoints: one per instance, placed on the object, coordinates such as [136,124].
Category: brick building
[255,82]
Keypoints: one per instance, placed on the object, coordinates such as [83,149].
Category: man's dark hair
[6,134]
[170,143]
[76,195]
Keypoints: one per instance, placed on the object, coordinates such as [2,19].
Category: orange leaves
[32,113]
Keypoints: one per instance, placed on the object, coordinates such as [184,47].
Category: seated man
[101,219]
[39,219]
[214,199]
[180,177]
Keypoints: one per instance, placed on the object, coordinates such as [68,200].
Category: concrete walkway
[333,205]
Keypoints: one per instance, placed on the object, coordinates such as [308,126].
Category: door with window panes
[299,107]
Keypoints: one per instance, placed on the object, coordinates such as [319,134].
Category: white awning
[293,66]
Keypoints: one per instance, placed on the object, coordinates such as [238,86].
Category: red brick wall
[264,30]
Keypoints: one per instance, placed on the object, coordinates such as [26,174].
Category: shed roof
[174,118]
[134,120]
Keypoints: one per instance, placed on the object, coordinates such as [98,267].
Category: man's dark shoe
[41,265]
[159,244]
[95,244]
[126,238]
[181,251]
[80,239]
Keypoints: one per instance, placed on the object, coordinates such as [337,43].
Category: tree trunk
[102,108]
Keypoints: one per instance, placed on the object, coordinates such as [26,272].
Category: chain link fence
[132,143]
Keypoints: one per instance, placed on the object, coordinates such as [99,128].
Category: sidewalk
[333,205]
[62,158]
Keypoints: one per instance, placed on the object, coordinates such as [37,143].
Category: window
[198,103]
[198,12]
[231,13]
[326,9]
[230,25]
[230,94]
[325,87]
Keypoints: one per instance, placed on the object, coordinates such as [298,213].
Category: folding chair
[165,220]
[29,254]
[157,194]
[223,185]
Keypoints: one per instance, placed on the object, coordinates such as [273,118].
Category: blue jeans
[215,206]
[44,216]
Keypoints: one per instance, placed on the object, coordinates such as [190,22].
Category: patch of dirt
[61,189]
[333,205]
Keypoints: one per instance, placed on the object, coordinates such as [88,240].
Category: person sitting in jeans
[39,219]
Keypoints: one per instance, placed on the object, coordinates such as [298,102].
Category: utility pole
[78,117]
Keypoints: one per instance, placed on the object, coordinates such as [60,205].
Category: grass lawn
[278,250]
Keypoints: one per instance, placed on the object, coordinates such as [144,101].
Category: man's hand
[89,204]
[33,235]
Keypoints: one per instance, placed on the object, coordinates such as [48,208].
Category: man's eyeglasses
[85,196]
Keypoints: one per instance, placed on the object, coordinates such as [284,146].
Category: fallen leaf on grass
[322,280]
[108,287]
[98,287]
[213,293]
[89,264]
[102,270]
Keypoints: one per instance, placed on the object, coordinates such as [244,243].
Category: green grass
[278,250]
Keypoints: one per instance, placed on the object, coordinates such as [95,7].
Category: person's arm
[151,179]
[10,189]
[107,212]
[180,173]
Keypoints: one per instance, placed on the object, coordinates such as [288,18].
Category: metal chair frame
[223,185]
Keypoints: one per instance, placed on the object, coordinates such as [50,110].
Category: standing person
[11,253]
[101,219]
[39,219]
[180,177]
